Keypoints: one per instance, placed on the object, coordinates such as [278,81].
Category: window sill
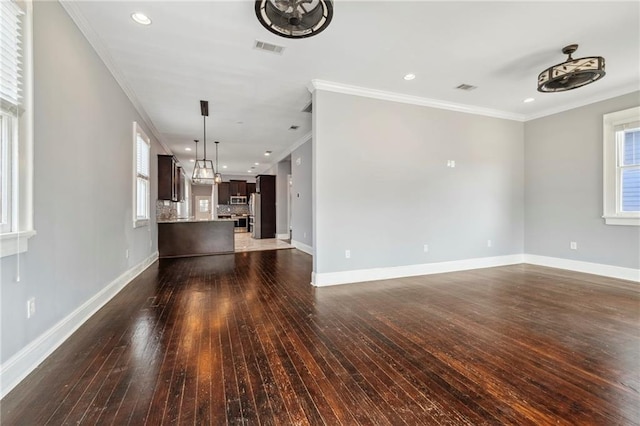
[140,223]
[14,242]
[620,220]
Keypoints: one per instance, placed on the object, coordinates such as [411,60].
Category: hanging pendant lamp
[217,177]
[572,73]
[203,173]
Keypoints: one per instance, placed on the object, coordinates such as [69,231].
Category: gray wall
[283,169]
[301,201]
[83,168]
[383,188]
[563,192]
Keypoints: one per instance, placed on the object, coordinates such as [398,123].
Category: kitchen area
[204,219]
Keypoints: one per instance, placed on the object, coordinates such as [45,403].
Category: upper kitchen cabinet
[169,176]
[223,193]
[238,187]
[181,182]
[251,188]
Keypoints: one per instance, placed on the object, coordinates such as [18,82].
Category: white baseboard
[282,236]
[16,368]
[374,274]
[587,267]
[302,247]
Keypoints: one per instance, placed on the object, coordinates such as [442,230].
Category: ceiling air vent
[293,127]
[268,47]
[466,87]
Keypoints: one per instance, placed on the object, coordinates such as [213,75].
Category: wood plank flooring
[244,339]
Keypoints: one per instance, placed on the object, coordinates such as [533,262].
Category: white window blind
[142,186]
[11,36]
[629,168]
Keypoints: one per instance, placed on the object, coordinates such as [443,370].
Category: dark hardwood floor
[244,339]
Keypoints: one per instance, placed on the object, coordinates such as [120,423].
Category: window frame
[139,221]
[612,213]
[14,237]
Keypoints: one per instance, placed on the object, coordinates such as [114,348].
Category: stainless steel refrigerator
[254,216]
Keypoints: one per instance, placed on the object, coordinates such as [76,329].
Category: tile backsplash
[226,209]
[166,210]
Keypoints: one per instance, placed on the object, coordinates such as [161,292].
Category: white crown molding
[98,45]
[625,90]
[299,142]
[16,368]
[331,86]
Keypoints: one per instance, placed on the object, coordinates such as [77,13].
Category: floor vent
[268,47]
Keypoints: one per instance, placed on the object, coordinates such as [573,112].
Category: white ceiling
[204,50]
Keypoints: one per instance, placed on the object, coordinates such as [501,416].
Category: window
[621,180]
[16,123]
[141,174]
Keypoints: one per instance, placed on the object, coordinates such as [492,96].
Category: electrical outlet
[451,163]
[426,248]
[31,307]
[489,243]
[347,254]
[304,234]
[150,243]
[126,254]
[573,245]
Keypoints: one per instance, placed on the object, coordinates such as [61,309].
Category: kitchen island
[185,238]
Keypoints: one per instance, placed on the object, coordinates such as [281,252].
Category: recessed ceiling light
[409,77]
[224,167]
[192,161]
[526,101]
[267,153]
[187,149]
[257,164]
[248,171]
[141,18]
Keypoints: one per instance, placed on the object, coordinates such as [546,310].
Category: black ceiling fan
[294,18]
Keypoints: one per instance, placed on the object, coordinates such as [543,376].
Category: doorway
[203,207]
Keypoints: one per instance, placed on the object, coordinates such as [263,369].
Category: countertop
[194,220]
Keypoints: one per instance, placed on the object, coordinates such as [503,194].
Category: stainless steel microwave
[237,199]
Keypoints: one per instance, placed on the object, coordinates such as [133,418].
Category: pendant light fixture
[294,18]
[203,173]
[217,177]
[572,73]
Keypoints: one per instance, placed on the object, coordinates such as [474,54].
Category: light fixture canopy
[217,176]
[572,73]
[294,18]
[203,172]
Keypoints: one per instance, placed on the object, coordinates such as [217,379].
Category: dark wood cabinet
[168,178]
[265,215]
[223,193]
[180,182]
[251,189]
[238,187]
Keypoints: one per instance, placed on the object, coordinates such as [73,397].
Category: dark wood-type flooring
[244,339]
